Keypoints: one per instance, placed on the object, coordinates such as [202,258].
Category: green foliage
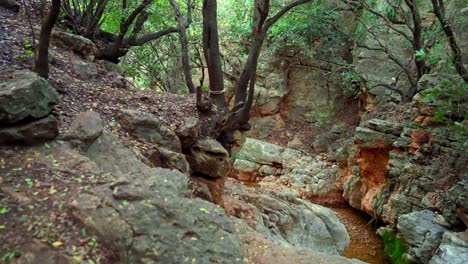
[395,248]
[448,100]
[8,256]
[28,51]
[321,118]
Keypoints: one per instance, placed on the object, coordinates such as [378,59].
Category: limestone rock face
[208,157]
[312,177]
[30,133]
[286,220]
[147,127]
[25,96]
[421,232]
[393,170]
[76,43]
[146,216]
[85,129]
[453,249]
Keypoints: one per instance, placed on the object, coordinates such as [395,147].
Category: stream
[365,244]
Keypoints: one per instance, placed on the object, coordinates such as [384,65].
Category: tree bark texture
[42,59]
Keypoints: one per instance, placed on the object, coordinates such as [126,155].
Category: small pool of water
[365,244]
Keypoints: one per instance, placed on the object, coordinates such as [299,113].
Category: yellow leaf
[57,244]
[52,190]
[2,227]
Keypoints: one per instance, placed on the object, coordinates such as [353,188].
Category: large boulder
[260,152]
[208,157]
[30,133]
[287,220]
[453,249]
[76,43]
[261,250]
[420,231]
[25,96]
[86,127]
[145,215]
[148,127]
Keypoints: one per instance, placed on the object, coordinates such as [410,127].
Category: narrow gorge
[353,152]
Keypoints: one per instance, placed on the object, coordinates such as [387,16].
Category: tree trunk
[182,25]
[212,54]
[42,60]
[125,26]
[439,10]
[417,36]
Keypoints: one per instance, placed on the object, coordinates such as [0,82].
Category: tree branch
[272,20]
[149,37]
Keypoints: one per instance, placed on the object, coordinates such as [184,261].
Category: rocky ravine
[147,215]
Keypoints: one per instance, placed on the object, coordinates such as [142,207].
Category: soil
[365,244]
[34,198]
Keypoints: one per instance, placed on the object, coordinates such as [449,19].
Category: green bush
[395,248]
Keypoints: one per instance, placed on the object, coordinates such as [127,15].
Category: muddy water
[365,244]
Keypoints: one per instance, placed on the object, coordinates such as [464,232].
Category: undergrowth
[395,248]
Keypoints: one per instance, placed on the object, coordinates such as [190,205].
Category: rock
[112,157]
[189,132]
[37,252]
[380,71]
[112,67]
[308,95]
[10,4]
[368,138]
[208,157]
[323,141]
[245,166]
[266,170]
[147,127]
[434,83]
[85,128]
[259,249]
[25,96]
[421,233]
[268,100]
[456,209]
[200,189]
[260,152]
[69,161]
[286,220]
[453,249]
[174,160]
[384,126]
[146,215]
[76,43]
[85,70]
[32,133]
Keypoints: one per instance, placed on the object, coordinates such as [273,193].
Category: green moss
[395,248]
